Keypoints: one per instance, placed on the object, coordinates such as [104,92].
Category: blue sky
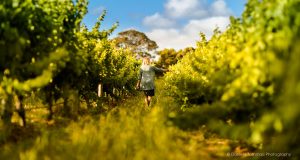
[171,23]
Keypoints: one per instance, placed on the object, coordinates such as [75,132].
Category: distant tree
[171,56]
[167,57]
[184,51]
[136,41]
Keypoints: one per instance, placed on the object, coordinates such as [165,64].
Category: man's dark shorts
[149,92]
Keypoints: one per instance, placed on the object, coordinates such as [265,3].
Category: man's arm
[138,84]
[156,69]
[165,70]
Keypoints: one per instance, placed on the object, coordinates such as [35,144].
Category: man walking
[146,79]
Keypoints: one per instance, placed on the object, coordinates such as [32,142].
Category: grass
[126,132]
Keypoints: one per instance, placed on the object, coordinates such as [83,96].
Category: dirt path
[194,144]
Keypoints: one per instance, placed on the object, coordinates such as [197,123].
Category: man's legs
[148,97]
[148,100]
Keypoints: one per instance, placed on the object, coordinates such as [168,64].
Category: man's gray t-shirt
[147,75]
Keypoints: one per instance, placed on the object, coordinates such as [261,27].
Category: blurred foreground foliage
[127,131]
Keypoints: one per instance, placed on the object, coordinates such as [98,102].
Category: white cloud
[189,34]
[198,15]
[219,8]
[157,20]
[181,8]
[206,25]
[169,38]
[196,9]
